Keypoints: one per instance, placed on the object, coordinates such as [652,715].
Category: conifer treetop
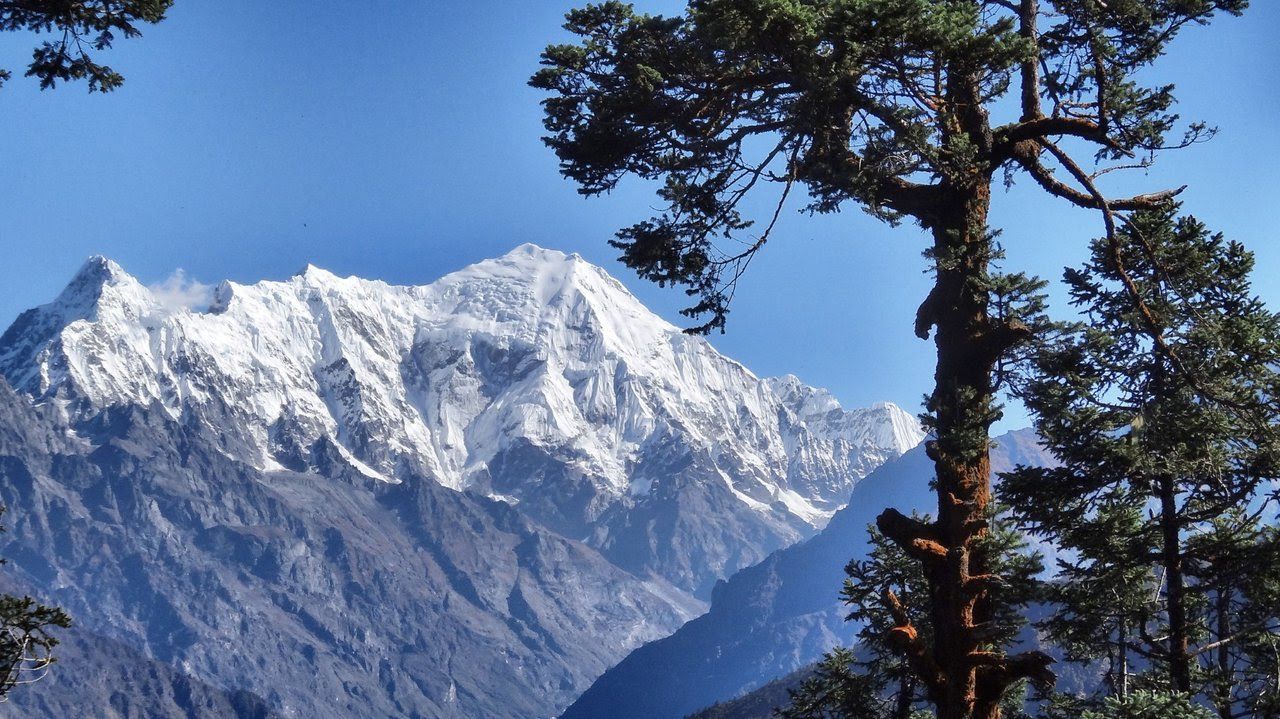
[873,102]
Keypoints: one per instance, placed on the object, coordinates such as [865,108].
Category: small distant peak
[540,254]
[311,273]
[785,386]
[802,398]
[792,387]
[221,299]
[894,411]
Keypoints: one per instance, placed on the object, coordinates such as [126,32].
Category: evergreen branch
[917,538]
[1264,626]
[1009,136]
[1026,155]
[1033,665]
[904,637]
[1029,71]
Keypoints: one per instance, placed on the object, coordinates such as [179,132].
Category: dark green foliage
[1163,412]
[879,684]
[26,646]
[77,28]
[886,105]
[1254,667]
[837,690]
[845,97]
[1142,705]
[876,682]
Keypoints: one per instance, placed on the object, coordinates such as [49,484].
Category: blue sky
[400,142]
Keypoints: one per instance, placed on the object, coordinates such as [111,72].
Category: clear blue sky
[398,140]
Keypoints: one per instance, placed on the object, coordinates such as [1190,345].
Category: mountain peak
[536,282]
[311,274]
[537,253]
[97,277]
[96,272]
[99,266]
[533,351]
[530,263]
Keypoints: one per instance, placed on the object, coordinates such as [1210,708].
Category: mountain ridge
[467,498]
[534,378]
[317,592]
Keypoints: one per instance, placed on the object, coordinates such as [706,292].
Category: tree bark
[1224,698]
[1175,586]
[961,457]
[964,677]
[961,405]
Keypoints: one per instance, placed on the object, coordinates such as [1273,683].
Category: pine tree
[1162,409]
[885,105]
[26,646]
[839,690]
[1255,656]
[1147,705]
[78,28]
[872,680]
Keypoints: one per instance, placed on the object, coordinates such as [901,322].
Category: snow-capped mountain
[332,496]
[534,378]
[205,588]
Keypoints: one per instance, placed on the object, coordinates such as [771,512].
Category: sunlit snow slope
[534,378]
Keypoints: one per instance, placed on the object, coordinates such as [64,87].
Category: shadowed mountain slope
[774,617]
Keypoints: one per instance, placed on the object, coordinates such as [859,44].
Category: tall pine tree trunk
[1175,586]
[961,401]
[964,679]
[1223,697]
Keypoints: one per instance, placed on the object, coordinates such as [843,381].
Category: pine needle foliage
[906,110]
[26,641]
[871,680]
[75,31]
[1163,410]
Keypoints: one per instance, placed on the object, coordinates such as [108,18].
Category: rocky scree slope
[325,593]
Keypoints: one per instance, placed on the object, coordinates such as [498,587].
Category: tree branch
[1026,154]
[907,640]
[915,537]
[1031,665]
[1008,136]
[1030,71]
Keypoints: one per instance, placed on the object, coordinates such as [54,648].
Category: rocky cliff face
[336,496]
[325,592]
